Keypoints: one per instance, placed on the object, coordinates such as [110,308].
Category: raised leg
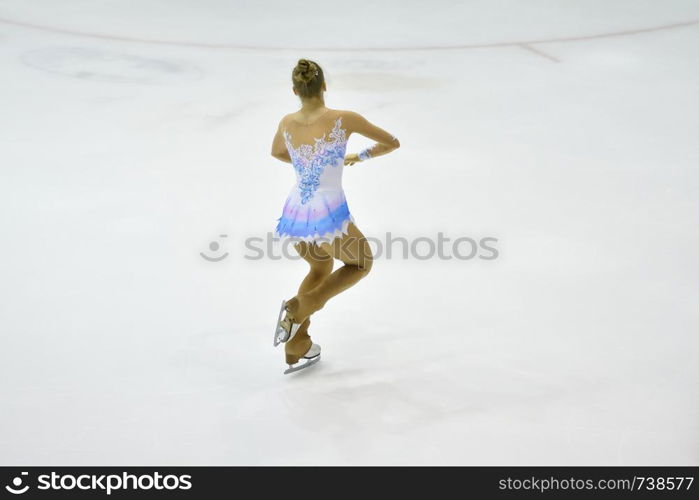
[354,251]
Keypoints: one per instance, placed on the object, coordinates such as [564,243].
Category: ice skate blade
[300,366]
[281,335]
[279,332]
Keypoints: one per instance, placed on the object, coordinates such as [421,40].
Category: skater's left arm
[385,142]
[279,150]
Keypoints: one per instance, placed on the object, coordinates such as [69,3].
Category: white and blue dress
[316,209]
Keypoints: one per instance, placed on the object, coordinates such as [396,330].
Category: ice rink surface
[135,134]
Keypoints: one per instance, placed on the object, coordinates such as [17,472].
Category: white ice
[134,134]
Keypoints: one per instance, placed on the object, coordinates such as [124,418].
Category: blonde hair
[307,78]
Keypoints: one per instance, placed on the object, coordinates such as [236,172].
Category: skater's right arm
[385,142]
[279,150]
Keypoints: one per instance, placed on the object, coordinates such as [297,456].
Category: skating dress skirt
[316,209]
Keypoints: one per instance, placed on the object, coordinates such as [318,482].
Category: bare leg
[354,251]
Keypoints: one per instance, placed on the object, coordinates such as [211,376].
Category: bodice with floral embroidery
[312,161]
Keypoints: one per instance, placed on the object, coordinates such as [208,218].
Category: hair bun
[306,70]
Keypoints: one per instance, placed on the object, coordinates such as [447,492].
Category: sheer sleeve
[385,141]
[279,150]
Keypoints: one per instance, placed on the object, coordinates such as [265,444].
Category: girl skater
[313,140]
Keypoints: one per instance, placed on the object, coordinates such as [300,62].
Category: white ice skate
[285,329]
[311,357]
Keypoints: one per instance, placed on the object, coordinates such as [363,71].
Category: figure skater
[316,215]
